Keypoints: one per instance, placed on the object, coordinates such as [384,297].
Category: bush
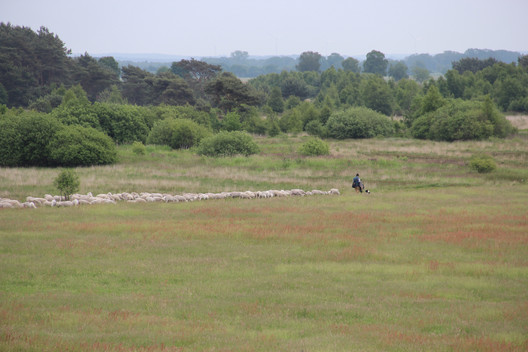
[316,128]
[462,120]
[82,146]
[138,148]
[24,138]
[482,163]
[314,147]
[359,122]
[123,123]
[228,144]
[177,133]
[67,182]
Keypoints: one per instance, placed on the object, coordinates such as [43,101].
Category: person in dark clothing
[356,184]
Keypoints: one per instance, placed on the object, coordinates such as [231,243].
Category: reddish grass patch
[486,344]
[472,231]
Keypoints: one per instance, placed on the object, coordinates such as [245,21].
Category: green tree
[420,74]
[110,63]
[376,95]
[275,101]
[67,183]
[472,64]
[309,61]
[294,86]
[228,92]
[198,74]
[30,63]
[231,122]
[92,76]
[351,64]
[398,70]
[376,63]
[333,60]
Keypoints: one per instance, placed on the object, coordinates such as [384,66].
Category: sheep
[29,205]
[297,192]
[5,204]
[38,201]
[144,197]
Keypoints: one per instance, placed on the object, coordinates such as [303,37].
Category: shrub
[358,122]
[82,146]
[316,128]
[138,148]
[177,133]
[482,163]
[314,147]
[231,122]
[228,144]
[462,120]
[24,138]
[67,182]
[123,123]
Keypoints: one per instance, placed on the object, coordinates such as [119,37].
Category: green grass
[414,266]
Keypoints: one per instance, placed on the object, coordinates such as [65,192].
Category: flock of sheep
[109,198]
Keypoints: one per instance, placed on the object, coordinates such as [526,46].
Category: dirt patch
[519,121]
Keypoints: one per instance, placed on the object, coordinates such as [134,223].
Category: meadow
[435,258]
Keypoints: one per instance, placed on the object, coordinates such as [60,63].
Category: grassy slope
[413,266]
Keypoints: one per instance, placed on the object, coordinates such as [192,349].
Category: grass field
[435,259]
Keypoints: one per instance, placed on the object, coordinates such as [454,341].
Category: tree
[67,182]
[196,73]
[472,64]
[135,87]
[333,60]
[376,63]
[376,94]
[294,86]
[170,89]
[420,74]
[93,76]
[523,61]
[110,63]
[30,63]
[275,101]
[228,92]
[398,70]
[239,56]
[309,61]
[351,64]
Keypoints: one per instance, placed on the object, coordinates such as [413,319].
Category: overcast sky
[276,27]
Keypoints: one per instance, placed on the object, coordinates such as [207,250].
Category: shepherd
[357,184]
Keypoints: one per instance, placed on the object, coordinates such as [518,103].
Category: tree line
[89,102]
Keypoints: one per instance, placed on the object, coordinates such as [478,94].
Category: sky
[200,28]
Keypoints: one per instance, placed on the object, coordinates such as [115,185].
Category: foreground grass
[442,269]
[434,259]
